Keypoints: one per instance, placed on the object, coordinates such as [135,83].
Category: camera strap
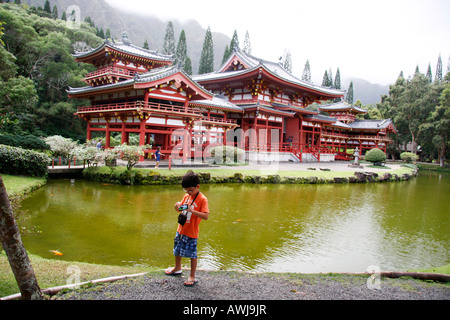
[195,198]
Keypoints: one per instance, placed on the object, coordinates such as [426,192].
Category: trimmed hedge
[18,161]
[150,177]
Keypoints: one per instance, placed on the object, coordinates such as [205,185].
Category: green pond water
[277,228]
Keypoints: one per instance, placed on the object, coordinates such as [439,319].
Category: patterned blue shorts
[185,246]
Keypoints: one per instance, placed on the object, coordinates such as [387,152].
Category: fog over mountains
[151,28]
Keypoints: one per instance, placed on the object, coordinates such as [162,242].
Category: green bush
[24,162]
[409,157]
[375,155]
[26,142]
[227,154]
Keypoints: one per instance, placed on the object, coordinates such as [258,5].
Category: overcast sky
[373,40]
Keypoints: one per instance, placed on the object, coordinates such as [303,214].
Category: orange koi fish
[56,252]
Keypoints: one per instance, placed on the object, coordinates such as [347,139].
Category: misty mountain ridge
[142,27]
[368,93]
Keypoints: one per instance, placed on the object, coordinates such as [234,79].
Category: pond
[275,228]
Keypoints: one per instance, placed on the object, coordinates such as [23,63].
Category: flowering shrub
[24,162]
[62,147]
[131,153]
[88,153]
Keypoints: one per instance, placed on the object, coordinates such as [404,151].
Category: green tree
[169,40]
[287,61]
[413,109]
[226,54]
[306,76]
[47,7]
[55,12]
[349,97]
[325,80]
[17,95]
[337,80]
[429,74]
[146,45]
[234,44]
[181,53]
[439,69]
[207,55]
[188,66]
[247,44]
[434,133]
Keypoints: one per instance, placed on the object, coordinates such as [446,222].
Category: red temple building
[251,103]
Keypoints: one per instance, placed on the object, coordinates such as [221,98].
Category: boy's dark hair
[190,179]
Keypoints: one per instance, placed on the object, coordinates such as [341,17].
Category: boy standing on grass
[185,243]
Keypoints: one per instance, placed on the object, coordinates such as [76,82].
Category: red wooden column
[124,137]
[142,134]
[107,135]
[89,132]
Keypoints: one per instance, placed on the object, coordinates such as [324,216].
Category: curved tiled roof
[341,106]
[150,76]
[275,69]
[219,102]
[126,47]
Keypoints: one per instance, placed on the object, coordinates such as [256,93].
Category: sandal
[173,273]
[190,283]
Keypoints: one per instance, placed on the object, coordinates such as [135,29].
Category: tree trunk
[15,251]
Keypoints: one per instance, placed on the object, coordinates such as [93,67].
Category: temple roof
[125,47]
[220,102]
[154,76]
[372,124]
[341,106]
[249,64]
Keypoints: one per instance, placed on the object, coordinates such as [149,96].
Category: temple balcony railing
[355,137]
[110,70]
[155,108]
[140,106]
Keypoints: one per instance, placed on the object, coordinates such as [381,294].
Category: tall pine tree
[181,53]
[188,66]
[226,54]
[337,80]
[247,45]
[439,70]
[234,45]
[349,97]
[207,55]
[169,40]
[307,72]
[429,75]
[287,61]
[326,80]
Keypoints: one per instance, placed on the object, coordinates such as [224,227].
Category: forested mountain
[142,28]
[37,67]
[368,93]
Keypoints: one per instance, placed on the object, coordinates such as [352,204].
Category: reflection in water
[279,228]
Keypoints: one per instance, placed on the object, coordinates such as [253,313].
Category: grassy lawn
[55,272]
[19,185]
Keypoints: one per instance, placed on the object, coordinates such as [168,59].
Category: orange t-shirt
[191,227]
